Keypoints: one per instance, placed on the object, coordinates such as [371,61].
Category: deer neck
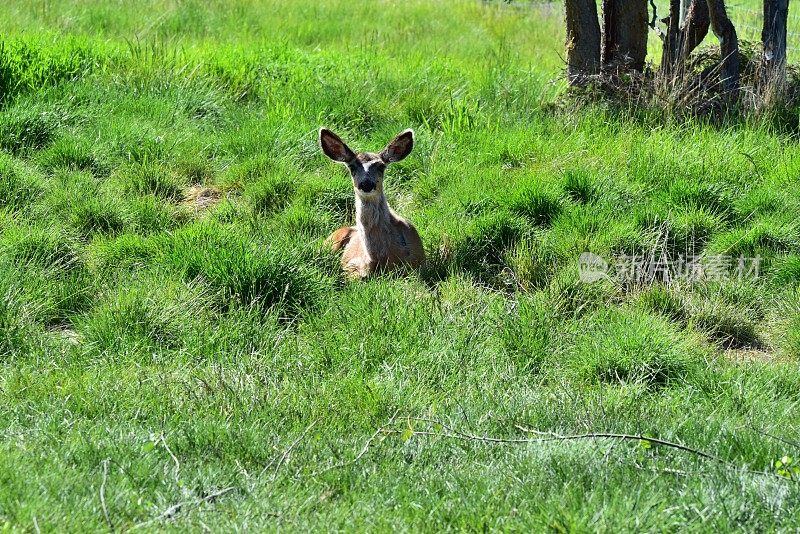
[374,223]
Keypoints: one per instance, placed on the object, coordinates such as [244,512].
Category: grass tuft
[18,188]
[728,324]
[539,207]
[664,301]
[151,179]
[267,276]
[581,186]
[24,128]
[95,215]
[480,249]
[72,154]
[271,193]
[623,346]
[151,314]
[43,246]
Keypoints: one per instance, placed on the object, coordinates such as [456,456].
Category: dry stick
[175,508]
[286,453]
[639,437]
[457,434]
[653,20]
[174,458]
[266,467]
[364,449]
[102,496]
[36,526]
[776,438]
[557,436]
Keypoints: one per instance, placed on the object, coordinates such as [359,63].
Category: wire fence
[749,18]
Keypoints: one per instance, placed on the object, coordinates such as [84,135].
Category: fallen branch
[776,438]
[381,430]
[631,437]
[102,497]
[453,433]
[551,436]
[174,458]
[170,512]
[286,453]
[653,22]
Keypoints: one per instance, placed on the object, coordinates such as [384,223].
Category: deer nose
[366,186]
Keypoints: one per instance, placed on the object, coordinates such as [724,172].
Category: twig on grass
[670,471]
[450,432]
[381,430]
[551,436]
[776,438]
[102,497]
[174,458]
[282,459]
[291,447]
[170,512]
[630,437]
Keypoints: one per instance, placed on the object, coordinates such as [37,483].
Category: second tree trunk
[624,44]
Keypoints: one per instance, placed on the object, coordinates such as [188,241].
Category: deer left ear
[399,148]
[333,147]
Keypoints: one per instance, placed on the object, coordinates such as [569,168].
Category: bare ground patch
[200,198]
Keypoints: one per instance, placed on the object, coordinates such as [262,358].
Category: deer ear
[399,148]
[333,147]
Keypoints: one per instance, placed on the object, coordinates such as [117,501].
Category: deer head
[366,168]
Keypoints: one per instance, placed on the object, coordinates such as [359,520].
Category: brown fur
[381,240]
[341,237]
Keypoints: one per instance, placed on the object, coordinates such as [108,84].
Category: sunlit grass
[172,326]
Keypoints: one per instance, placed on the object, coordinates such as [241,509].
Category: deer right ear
[399,147]
[333,147]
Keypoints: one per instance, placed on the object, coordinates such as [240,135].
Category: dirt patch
[201,198]
[66,334]
[750,355]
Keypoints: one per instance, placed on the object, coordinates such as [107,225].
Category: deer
[381,240]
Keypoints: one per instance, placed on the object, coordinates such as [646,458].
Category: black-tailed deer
[381,240]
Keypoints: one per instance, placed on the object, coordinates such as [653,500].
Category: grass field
[178,349]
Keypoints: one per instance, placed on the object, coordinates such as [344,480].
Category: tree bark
[723,28]
[695,27]
[684,10]
[681,42]
[773,37]
[672,40]
[583,40]
[624,44]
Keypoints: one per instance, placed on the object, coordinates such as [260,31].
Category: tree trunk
[583,40]
[695,27]
[723,28]
[684,10]
[672,40]
[773,37]
[680,42]
[625,26]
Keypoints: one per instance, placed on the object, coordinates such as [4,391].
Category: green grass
[171,324]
